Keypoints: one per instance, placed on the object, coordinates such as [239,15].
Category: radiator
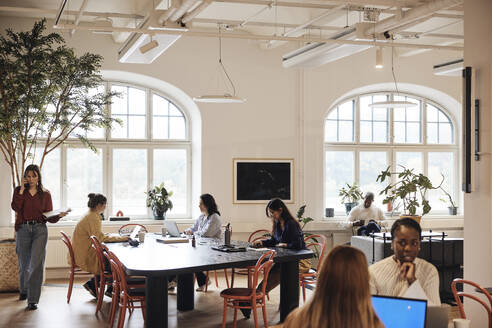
[56,254]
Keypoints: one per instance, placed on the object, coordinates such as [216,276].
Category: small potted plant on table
[350,196]
[158,200]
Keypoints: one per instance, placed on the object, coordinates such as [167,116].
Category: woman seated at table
[342,297]
[90,225]
[209,225]
[286,232]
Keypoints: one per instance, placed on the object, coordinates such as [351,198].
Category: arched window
[361,141]
[152,145]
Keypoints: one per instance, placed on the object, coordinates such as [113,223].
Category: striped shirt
[385,279]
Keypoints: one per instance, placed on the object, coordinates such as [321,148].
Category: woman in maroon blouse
[29,202]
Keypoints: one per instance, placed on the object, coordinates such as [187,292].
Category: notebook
[398,312]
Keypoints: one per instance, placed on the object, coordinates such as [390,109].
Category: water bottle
[227,235]
[193,241]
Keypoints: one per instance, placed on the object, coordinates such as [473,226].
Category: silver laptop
[172,228]
[437,317]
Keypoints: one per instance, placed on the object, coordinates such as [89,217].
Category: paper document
[56,212]
[172,240]
[262,249]
[415,291]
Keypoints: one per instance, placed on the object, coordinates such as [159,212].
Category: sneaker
[22,297]
[109,293]
[32,306]
[90,289]
[171,284]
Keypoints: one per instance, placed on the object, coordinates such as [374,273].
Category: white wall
[283,115]
[478,226]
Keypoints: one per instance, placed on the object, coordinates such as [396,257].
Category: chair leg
[100,295]
[224,318]
[263,309]
[216,281]
[232,278]
[114,301]
[121,317]
[304,292]
[142,304]
[234,323]
[226,277]
[70,286]
[255,313]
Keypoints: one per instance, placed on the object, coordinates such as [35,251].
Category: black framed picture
[259,180]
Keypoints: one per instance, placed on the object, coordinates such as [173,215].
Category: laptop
[398,312]
[437,317]
[172,228]
[134,234]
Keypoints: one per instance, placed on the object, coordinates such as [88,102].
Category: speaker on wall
[467,130]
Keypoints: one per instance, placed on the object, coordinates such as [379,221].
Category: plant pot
[453,210]
[329,212]
[413,217]
[349,207]
[159,215]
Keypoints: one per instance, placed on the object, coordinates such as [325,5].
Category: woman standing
[209,225]
[90,225]
[342,297]
[29,202]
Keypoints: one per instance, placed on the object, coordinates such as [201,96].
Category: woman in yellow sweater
[90,225]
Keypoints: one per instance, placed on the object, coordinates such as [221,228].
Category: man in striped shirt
[403,274]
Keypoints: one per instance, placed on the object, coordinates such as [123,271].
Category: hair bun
[91,195]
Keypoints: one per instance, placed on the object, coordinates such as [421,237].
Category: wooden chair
[457,295]
[126,229]
[105,278]
[234,296]
[309,278]
[127,296]
[254,236]
[74,268]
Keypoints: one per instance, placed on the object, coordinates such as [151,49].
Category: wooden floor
[54,311]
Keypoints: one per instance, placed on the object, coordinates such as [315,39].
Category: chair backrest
[318,242]
[97,246]
[117,270]
[68,243]
[457,294]
[263,266]
[126,229]
[259,234]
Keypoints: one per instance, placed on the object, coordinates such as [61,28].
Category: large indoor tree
[47,94]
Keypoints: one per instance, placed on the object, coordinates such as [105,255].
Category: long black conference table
[156,261]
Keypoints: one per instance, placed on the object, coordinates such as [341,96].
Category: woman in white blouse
[209,225]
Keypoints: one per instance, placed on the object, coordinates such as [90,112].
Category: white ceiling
[444,27]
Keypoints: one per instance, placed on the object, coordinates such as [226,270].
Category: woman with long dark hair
[208,224]
[30,201]
[90,225]
[342,297]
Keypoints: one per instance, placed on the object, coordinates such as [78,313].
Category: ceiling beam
[42,11]
[234,23]
[207,33]
[79,15]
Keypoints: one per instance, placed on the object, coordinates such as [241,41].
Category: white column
[478,205]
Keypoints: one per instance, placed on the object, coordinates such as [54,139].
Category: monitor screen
[396,312]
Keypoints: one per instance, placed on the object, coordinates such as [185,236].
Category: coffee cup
[461,323]
[163,231]
[141,236]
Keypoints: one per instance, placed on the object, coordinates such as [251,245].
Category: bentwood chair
[127,296]
[74,268]
[318,243]
[254,236]
[105,278]
[458,295]
[250,298]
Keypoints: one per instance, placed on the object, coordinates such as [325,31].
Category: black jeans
[371,227]
[201,278]
[92,282]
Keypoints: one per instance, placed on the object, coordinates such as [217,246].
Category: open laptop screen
[397,312]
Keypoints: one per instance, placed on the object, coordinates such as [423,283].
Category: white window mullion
[63,171]
[109,180]
[150,173]
[357,120]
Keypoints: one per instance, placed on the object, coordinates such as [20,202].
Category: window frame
[391,148]
[149,144]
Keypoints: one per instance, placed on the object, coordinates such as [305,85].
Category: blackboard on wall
[258,181]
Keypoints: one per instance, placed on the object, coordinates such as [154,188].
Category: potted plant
[158,200]
[303,221]
[48,93]
[410,188]
[453,209]
[350,196]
